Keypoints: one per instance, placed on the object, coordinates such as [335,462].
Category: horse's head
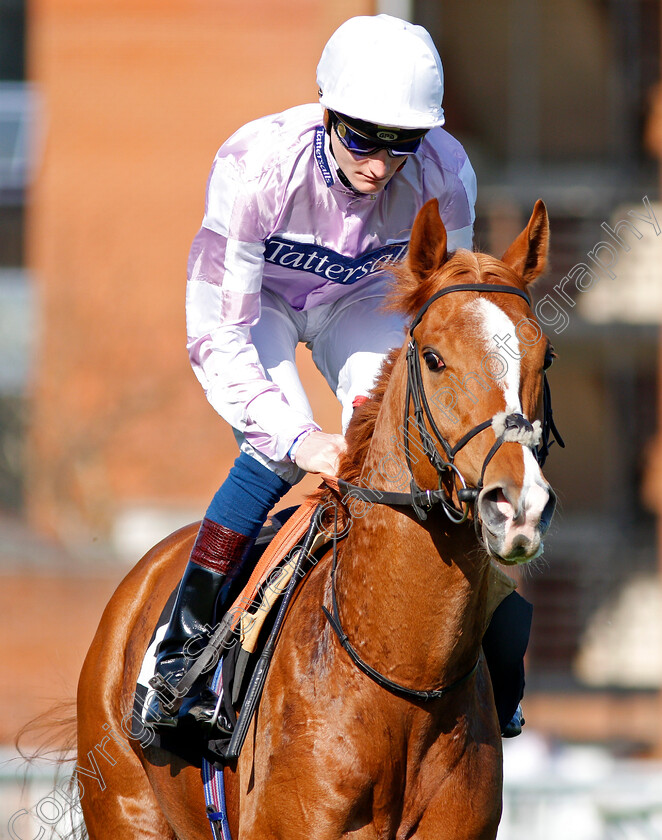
[475,373]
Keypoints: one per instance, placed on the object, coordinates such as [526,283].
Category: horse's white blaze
[501,340]
[521,525]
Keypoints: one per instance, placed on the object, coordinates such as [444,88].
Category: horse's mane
[362,425]
[406,295]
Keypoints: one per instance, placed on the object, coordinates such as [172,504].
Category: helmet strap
[344,180]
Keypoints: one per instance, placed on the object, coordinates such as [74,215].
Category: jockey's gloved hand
[320,453]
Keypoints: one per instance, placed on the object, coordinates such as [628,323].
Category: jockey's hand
[320,453]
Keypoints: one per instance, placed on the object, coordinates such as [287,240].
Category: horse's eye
[433,361]
[550,355]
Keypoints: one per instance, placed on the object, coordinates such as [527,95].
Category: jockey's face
[368,174]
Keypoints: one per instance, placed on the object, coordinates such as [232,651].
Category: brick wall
[136,99]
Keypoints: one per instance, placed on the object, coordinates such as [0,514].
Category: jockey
[305,210]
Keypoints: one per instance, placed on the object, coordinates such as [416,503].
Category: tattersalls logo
[315,259]
[320,156]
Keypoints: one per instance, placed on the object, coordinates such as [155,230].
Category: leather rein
[422,500]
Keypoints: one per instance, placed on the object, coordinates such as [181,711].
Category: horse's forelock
[407,293]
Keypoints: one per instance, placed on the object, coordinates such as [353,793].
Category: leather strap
[424,695]
[467,287]
[287,538]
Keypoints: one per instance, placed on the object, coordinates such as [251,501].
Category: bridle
[512,426]
[515,427]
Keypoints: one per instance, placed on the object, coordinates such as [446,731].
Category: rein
[333,618]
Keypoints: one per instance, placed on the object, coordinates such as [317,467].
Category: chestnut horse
[332,752]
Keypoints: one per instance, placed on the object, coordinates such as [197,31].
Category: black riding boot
[504,644]
[216,556]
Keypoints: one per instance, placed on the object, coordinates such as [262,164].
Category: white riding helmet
[382,70]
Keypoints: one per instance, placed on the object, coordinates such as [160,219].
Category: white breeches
[349,339]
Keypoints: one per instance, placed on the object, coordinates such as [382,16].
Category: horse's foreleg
[467,803]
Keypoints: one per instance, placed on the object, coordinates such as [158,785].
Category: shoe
[514,727]
[216,555]
[197,712]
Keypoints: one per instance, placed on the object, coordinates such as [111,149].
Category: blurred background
[110,115]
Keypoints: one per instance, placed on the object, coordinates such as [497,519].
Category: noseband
[508,426]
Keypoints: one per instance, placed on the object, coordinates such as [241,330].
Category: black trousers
[504,644]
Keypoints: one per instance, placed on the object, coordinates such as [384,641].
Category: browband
[467,287]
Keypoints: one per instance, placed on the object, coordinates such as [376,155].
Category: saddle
[238,651]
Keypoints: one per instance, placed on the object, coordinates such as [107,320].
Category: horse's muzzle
[515,521]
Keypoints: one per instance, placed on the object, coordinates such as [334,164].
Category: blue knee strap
[245,498]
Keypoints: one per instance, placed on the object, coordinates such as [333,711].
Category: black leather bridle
[423,500]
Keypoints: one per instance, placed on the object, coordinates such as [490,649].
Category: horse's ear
[427,246]
[527,256]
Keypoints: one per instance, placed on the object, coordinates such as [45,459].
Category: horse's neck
[411,594]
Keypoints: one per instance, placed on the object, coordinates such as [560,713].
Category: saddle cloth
[272,561]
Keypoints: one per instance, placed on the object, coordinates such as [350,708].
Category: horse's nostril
[492,506]
[548,511]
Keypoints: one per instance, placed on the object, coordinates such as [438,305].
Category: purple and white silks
[277,218]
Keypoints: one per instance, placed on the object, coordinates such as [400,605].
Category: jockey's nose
[378,163]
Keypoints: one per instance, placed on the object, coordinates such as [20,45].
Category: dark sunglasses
[359,144]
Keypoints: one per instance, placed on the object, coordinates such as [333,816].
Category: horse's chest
[450,788]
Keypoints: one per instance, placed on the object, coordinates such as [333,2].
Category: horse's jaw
[513,527]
